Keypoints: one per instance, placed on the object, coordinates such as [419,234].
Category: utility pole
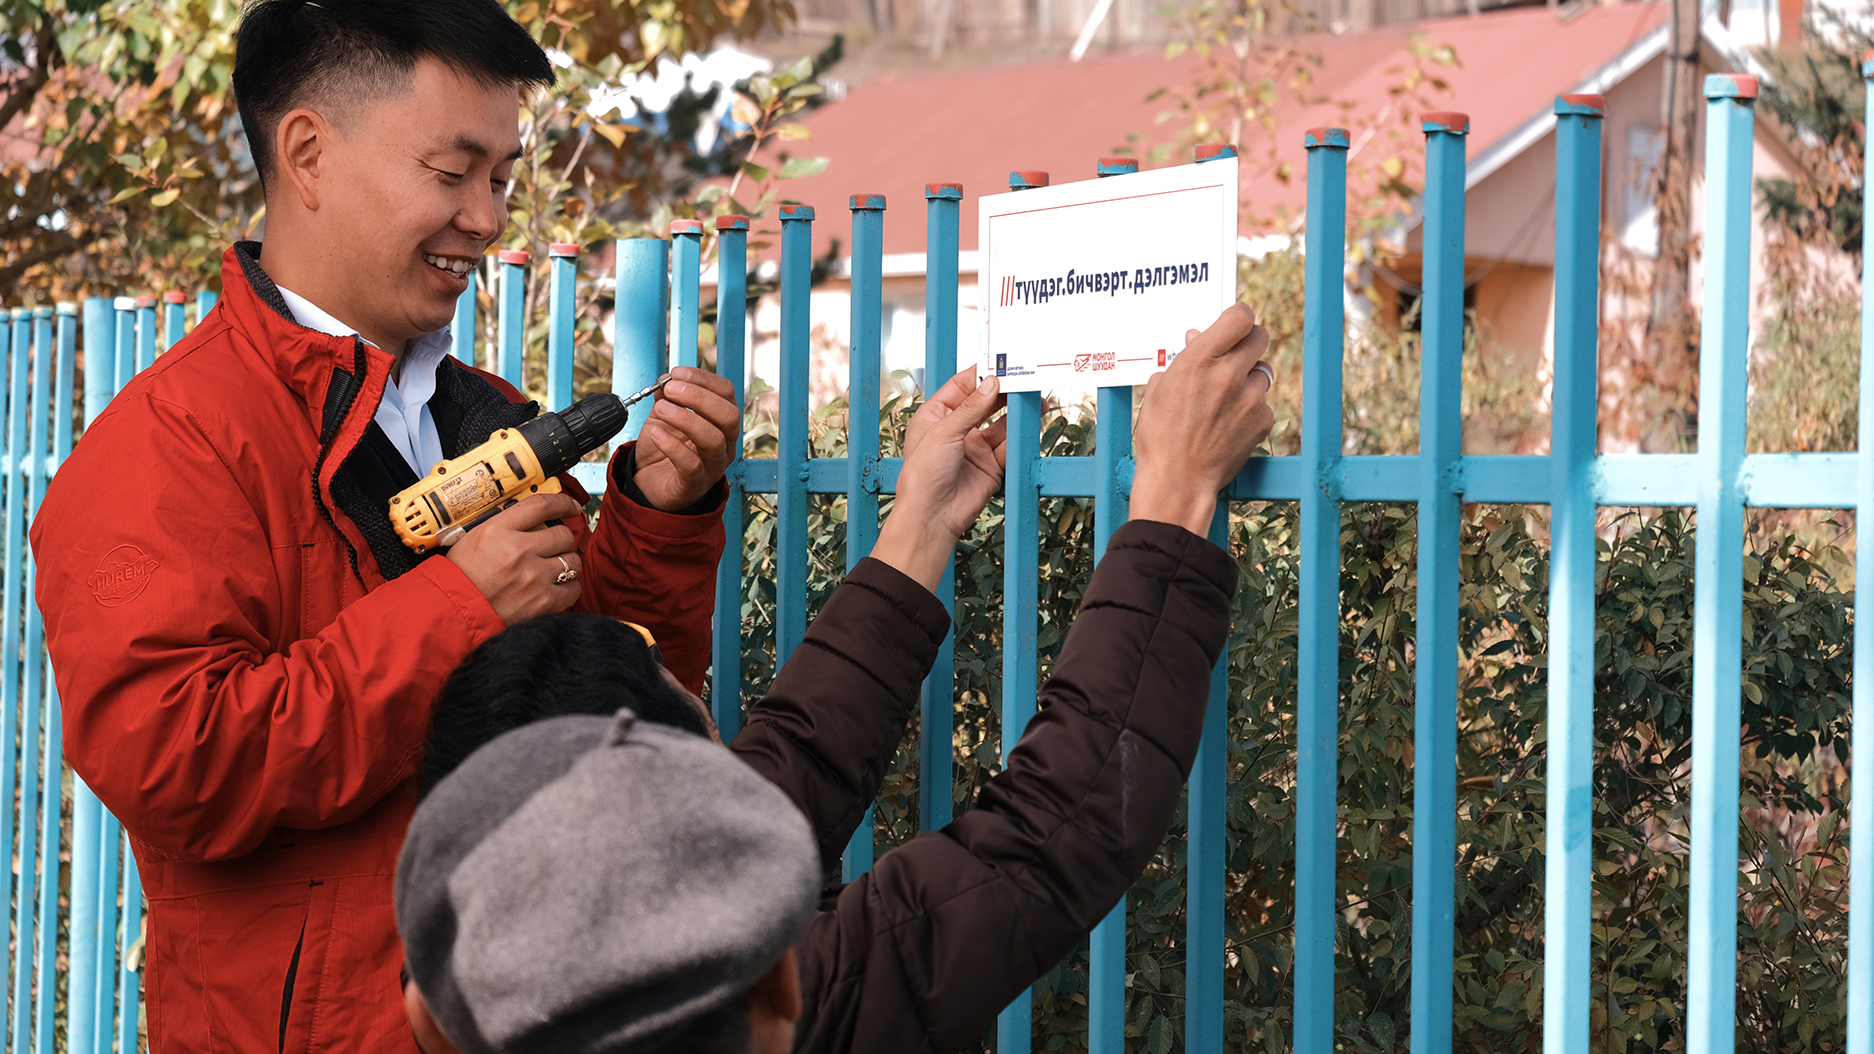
[1669,329]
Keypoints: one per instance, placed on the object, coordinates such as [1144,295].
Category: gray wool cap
[584,882]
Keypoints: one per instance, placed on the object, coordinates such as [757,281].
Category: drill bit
[648,392]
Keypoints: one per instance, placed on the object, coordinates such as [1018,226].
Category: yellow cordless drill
[514,463]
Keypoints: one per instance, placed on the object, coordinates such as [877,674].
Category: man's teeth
[455,267]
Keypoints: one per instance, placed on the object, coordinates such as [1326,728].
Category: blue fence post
[126,342]
[1435,718]
[1021,610]
[37,696]
[562,314]
[81,994]
[862,429]
[100,356]
[174,324]
[1861,777]
[791,565]
[1205,826]
[204,303]
[937,699]
[638,322]
[462,330]
[146,332]
[1112,444]
[21,713]
[513,316]
[1317,717]
[725,675]
[686,295]
[62,407]
[725,678]
[1106,975]
[132,971]
[1569,880]
[109,839]
[1718,603]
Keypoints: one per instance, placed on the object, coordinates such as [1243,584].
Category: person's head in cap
[590,884]
[552,666]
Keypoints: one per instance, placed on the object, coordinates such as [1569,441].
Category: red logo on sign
[1080,363]
[121,576]
[1161,356]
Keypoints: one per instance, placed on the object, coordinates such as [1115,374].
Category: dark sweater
[921,953]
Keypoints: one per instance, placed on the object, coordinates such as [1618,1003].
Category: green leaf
[796,167]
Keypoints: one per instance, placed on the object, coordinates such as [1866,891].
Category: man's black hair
[550,666]
[292,53]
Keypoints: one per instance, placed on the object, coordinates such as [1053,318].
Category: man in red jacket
[246,655]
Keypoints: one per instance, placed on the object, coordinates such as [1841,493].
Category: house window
[1645,148]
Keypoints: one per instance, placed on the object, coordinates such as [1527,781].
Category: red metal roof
[896,132]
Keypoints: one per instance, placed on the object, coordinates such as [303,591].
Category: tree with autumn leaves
[123,166]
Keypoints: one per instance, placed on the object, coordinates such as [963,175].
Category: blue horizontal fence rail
[655,325]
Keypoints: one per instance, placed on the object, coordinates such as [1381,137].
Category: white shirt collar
[423,352]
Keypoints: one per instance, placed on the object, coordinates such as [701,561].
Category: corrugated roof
[896,132]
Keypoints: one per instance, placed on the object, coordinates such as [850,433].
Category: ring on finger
[1266,372]
[567,573]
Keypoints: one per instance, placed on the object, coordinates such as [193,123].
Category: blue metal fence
[659,307]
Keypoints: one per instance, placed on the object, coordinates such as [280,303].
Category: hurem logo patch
[122,576]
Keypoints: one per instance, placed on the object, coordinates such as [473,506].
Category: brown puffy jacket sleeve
[830,722]
[920,954]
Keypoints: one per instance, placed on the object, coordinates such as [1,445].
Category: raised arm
[920,954]
[827,728]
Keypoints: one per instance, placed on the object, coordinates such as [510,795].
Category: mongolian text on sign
[1094,284]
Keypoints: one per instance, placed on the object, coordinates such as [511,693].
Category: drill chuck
[559,440]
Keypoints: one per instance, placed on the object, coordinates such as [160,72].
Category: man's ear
[774,1006]
[300,145]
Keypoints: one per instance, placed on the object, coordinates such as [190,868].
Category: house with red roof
[894,133]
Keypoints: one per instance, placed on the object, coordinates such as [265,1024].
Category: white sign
[1094,284]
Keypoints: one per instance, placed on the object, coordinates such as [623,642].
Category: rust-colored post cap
[1027,180]
[678,227]
[146,301]
[176,296]
[1730,86]
[1448,121]
[517,257]
[1213,151]
[868,202]
[1333,138]
[1116,166]
[1867,64]
[731,222]
[564,249]
[945,191]
[794,210]
[1581,105]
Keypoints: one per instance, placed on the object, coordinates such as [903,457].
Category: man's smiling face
[416,191]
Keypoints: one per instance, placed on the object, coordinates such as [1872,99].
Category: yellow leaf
[1393,167]
[792,131]
[167,197]
[611,133]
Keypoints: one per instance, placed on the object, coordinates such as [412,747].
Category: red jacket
[246,683]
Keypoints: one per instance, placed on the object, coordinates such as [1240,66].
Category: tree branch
[62,243]
[21,95]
